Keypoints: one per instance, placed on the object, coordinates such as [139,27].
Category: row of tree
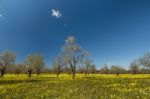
[138,66]
[71,59]
[33,63]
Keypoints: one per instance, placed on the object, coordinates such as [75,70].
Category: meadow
[96,86]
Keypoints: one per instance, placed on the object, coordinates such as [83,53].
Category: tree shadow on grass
[29,80]
[18,81]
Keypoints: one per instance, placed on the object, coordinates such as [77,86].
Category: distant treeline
[71,59]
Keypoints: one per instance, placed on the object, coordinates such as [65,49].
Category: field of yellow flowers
[96,86]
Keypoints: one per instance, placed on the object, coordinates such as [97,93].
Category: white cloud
[56,13]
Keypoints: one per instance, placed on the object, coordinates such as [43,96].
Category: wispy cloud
[1,15]
[56,13]
[65,25]
[109,64]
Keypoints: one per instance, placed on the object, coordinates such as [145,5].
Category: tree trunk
[17,74]
[38,73]
[2,73]
[117,74]
[134,73]
[86,71]
[73,73]
[30,72]
[57,74]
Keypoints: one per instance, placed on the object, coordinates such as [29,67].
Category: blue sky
[113,31]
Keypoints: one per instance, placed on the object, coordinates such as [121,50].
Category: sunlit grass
[98,86]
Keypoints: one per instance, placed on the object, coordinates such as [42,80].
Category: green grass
[63,87]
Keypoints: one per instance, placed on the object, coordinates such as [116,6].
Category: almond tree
[134,67]
[74,54]
[87,67]
[58,64]
[7,58]
[17,68]
[39,63]
[29,62]
[105,69]
[145,61]
[92,69]
[87,63]
[117,70]
[34,62]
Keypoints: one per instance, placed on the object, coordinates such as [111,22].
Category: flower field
[98,86]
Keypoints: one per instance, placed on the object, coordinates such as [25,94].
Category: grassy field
[96,86]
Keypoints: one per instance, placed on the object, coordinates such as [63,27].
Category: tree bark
[73,73]
[30,72]
[134,73]
[86,71]
[38,73]
[2,73]
[57,72]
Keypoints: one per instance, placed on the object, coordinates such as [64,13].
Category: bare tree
[38,63]
[87,62]
[134,67]
[67,69]
[117,70]
[29,61]
[81,69]
[144,70]
[7,58]
[92,69]
[73,54]
[17,68]
[58,64]
[105,69]
[145,60]
[87,66]
[34,62]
